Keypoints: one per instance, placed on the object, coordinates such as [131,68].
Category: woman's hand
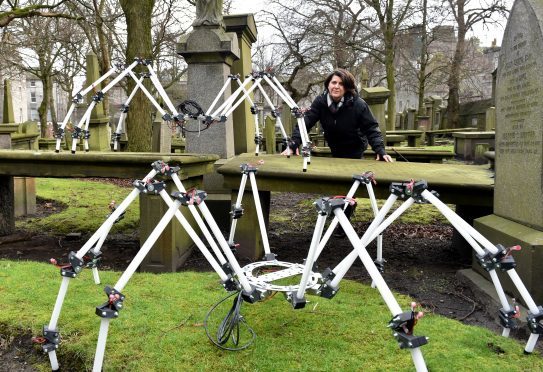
[385,157]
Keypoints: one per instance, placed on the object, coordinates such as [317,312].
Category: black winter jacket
[346,129]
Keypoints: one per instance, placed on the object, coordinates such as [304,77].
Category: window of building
[32,83]
[33,97]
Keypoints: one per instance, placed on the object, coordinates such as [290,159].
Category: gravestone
[8,117]
[100,134]
[411,115]
[376,97]
[518,196]
[490,119]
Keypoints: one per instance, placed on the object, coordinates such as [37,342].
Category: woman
[345,119]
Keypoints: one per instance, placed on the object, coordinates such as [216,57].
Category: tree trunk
[139,121]
[51,104]
[104,58]
[42,109]
[391,79]
[423,58]
[453,104]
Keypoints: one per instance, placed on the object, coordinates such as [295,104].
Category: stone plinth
[162,136]
[465,144]
[490,119]
[25,195]
[423,123]
[7,113]
[376,98]
[244,127]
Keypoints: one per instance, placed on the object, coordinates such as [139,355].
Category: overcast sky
[485,35]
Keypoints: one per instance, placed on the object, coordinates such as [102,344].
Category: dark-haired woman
[345,119]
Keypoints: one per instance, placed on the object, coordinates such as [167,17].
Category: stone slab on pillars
[7,112]
[376,97]
[529,259]
[100,134]
[244,125]
[25,196]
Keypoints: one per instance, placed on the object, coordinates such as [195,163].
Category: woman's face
[336,88]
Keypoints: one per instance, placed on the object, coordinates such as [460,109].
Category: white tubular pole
[359,247]
[499,290]
[63,125]
[240,100]
[506,332]
[116,213]
[418,360]
[101,345]
[333,224]
[224,245]
[58,304]
[455,220]
[119,77]
[375,208]
[257,133]
[370,234]
[227,102]
[195,238]
[221,92]
[237,205]
[528,300]
[95,275]
[317,233]
[303,130]
[279,123]
[139,84]
[53,360]
[86,116]
[200,222]
[530,345]
[259,214]
[160,89]
[102,78]
[280,91]
[244,91]
[146,247]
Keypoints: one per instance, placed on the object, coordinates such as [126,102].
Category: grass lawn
[160,328]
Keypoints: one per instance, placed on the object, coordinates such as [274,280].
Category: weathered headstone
[376,97]
[8,117]
[490,119]
[98,126]
[411,116]
[518,196]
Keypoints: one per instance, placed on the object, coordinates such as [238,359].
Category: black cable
[230,325]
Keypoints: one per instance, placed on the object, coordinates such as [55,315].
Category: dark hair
[346,77]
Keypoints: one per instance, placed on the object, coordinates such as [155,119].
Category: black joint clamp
[164,168]
[270,257]
[116,137]
[121,216]
[297,303]
[114,304]
[501,259]
[306,151]
[167,117]
[417,190]
[78,98]
[508,319]
[365,178]
[296,112]
[154,188]
[328,274]
[327,290]
[86,134]
[274,113]
[60,133]
[248,168]
[254,110]
[98,97]
[222,119]
[236,212]
[76,133]
[145,75]
[227,268]
[233,76]
[76,265]
[93,259]
[380,265]
[146,62]
[258,140]
[124,108]
[406,341]
[52,338]
[190,199]
[230,284]
[534,321]
[140,185]
[254,296]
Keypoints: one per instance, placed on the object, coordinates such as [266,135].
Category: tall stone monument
[518,192]
[100,135]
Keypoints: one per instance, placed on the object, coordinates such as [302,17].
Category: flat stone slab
[456,184]
[98,164]
[474,134]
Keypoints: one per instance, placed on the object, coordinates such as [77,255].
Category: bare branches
[34,10]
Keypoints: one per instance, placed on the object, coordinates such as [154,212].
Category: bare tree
[15,9]
[467,13]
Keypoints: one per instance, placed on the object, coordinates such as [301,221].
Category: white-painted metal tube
[221,92]
[455,220]
[506,332]
[499,290]
[279,123]
[334,222]
[139,84]
[102,78]
[259,214]
[225,247]
[530,345]
[146,247]
[317,233]
[116,213]
[528,300]
[53,360]
[95,275]
[200,222]
[237,205]
[58,304]
[418,360]
[228,102]
[385,292]
[101,345]
[119,77]
[64,123]
[371,233]
[195,238]
[245,91]
[160,89]
[245,95]
[278,88]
